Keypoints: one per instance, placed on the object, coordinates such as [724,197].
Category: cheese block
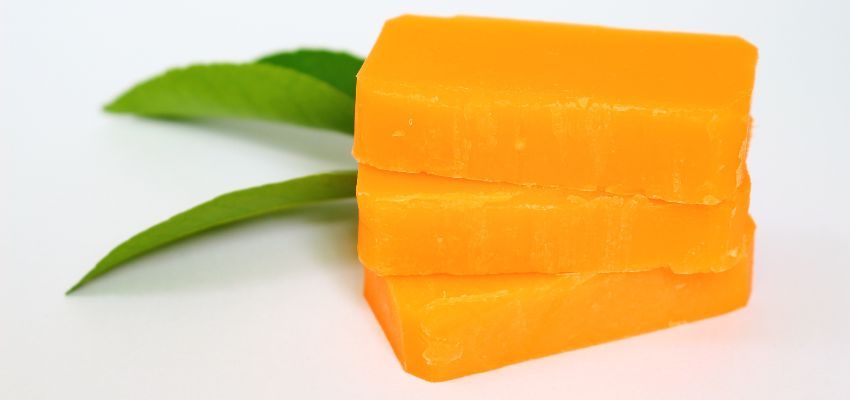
[418,224]
[661,114]
[443,327]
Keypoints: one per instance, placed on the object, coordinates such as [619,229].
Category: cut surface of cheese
[418,224]
[589,108]
[443,327]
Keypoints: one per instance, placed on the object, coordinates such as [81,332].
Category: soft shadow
[248,253]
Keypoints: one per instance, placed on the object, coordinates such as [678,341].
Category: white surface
[272,309]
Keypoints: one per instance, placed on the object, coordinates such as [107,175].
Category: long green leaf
[227,209]
[339,69]
[257,90]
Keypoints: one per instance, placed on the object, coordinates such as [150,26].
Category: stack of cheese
[528,188]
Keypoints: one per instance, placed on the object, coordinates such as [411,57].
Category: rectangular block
[417,224]
[443,327]
[588,108]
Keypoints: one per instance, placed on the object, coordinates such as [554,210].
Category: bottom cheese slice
[443,327]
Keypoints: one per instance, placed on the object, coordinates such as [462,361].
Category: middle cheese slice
[418,224]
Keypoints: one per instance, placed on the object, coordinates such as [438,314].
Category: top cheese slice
[661,114]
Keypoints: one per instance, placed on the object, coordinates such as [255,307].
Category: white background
[272,309]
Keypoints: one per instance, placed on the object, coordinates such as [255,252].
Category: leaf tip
[73,288]
[82,282]
[114,106]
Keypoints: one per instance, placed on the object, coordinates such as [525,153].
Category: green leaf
[338,69]
[227,209]
[247,91]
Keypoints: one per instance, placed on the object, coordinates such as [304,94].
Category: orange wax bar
[418,224]
[443,327]
[588,108]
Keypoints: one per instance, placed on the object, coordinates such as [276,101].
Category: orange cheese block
[418,224]
[443,327]
[582,107]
